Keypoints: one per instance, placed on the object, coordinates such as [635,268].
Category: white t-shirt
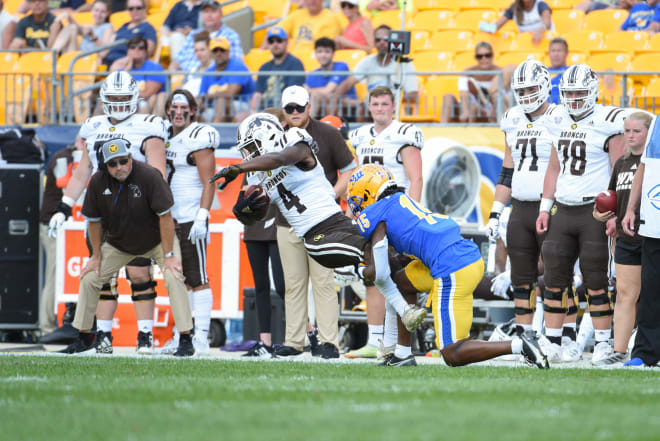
[380,75]
[5,19]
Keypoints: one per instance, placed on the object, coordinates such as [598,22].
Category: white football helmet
[579,78]
[258,134]
[119,95]
[531,73]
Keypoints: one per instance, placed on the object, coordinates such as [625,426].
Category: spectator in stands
[115,6]
[558,52]
[269,87]
[381,68]
[55,6]
[152,86]
[593,5]
[307,24]
[227,95]
[644,16]
[34,30]
[375,6]
[203,55]
[211,13]
[478,93]
[359,34]
[533,16]
[98,34]
[138,25]
[322,88]
[7,26]
[181,21]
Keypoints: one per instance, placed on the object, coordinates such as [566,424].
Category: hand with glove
[62,212]
[229,173]
[199,228]
[501,284]
[493,226]
[250,209]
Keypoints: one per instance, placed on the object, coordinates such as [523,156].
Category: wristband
[496,210]
[546,204]
[202,214]
[68,201]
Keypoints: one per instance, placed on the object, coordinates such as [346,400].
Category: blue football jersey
[413,230]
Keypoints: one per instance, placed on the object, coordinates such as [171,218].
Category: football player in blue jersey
[445,264]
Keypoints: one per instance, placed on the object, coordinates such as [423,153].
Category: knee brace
[600,299]
[560,296]
[143,287]
[576,301]
[528,294]
[111,288]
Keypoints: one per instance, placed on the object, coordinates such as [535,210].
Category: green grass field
[116,398]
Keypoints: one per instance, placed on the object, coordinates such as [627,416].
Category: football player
[190,164]
[445,264]
[588,139]
[286,167]
[397,146]
[527,152]
[146,135]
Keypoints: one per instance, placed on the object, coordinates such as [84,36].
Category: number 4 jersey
[182,174]
[304,196]
[584,160]
[385,147]
[531,144]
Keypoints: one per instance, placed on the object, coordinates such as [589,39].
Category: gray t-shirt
[86,44]
[380,75]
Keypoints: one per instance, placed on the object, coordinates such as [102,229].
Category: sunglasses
[272,40]
[137,46]
[480,56]
[135,8]
[291,107]
[347,5]
[219,49]
[378,39]
[113,163]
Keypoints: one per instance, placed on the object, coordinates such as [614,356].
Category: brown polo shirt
[129,211]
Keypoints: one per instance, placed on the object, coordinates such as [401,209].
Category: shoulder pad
[295,135]
[409,134]
[204,136]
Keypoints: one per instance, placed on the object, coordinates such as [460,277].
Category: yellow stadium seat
[645,63]
[649,98]
[563,4]
[624,41]
[350,56]
[584,41]
[611,90]
[390,18]
[423,5]
[419,111]
[523,42]
[613,61]
[501,41]
[515,58]
[566,20]
[14,99]
[81,103]
[452,41]
[484,4]
[157,19]
[653,45]
[233,7]
[432,61]
[463,60]
[436,88]
[573,58]
[83,18]
[308,58]
[418,40]
[11,6]
[7,61]
[433,20]
[257,58]
[270,8]
[34,71]
[119,18]
[470,19]
[605,20]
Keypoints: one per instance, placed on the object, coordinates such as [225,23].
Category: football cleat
[103,342]
[532,353]
[400,362]
[413,316]
[384,351]
[366,351]
[602,352]
[570,352]
[79,347]
[261,350]
[504,331]
[201,345]
[617,358]
[287,351]
[145,343]
[186,348]
[171,346]
[328,350]
[551,350]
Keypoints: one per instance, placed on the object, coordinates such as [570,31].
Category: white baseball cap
[295,95]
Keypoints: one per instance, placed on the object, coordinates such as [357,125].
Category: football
[262,208]
[606,201]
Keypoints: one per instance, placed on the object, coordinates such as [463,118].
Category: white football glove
[58,218]
[493,229]
[345,275]
[199,228]
[500,285]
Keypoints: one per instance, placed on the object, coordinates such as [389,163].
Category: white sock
[601,335]
[402,351]
[376,333]
[202,305]
[104,325]
[390,332]
[145,325]
[516,345]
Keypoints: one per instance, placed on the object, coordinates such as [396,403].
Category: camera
[398,43]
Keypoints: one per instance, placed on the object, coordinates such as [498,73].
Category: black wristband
[505,177]
[494,215]
[63,208]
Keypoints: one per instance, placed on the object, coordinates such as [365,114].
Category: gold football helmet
[366,185]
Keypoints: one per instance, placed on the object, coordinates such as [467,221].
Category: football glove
[500,285]
[249,210]
[62,212]
[199,228]
[229,173]
[493,229]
